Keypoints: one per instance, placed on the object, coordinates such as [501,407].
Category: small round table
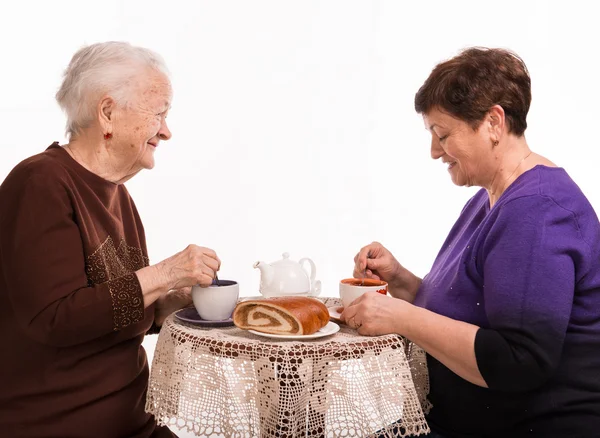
[229,382]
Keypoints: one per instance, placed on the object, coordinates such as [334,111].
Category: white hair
[102,69]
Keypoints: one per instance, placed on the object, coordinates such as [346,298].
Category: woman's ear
[106,108]
[496,121]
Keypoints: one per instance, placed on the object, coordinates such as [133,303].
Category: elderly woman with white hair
[77,293]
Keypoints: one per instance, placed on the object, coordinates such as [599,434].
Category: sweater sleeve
[529,259]
[43,264]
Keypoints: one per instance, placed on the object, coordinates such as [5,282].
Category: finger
[209,252]
[353,310]
[377,249]
[204,275]
[363,330]
[357,303]
[350,321]
[362,258]
[205,280]
[355,322]
[348,313]
[371,274]
[208,271]
[214,256]
[211,263]
[375,263]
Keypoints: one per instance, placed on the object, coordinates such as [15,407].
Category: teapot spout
[266,274]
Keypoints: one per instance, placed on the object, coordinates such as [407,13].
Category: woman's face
[140,125]
[467,152]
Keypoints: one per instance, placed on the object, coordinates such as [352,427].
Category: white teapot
[287,277]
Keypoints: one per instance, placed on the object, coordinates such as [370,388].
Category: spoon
[217,280]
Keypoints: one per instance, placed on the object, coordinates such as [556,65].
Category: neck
[512,157]
[96,157]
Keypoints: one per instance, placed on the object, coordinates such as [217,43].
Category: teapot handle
[315,287]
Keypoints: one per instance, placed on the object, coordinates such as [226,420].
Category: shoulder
[37,186]
[552,190]
[544,209]
[476,202]
[38,180]
[44,168]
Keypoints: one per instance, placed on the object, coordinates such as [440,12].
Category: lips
[450,164]
[153,144]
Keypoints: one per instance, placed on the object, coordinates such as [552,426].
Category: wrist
[413,283]
[404,285]
[404,310]
[152,282]
[163,276]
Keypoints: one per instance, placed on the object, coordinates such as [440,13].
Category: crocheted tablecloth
[229,382]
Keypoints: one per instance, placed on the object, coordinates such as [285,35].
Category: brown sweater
[72,318]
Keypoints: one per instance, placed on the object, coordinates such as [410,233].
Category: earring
[495,143]
[107,136]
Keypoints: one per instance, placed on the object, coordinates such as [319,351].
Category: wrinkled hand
[376,262]
[171,302]
[194,265]
[374,314]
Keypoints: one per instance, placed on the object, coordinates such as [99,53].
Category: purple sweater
[527,272]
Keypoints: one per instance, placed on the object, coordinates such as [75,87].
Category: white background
[293,122]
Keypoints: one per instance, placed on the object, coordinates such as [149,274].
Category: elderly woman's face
[467,152]
[139,127]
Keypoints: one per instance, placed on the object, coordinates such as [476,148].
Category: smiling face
[139,126]
[467,152]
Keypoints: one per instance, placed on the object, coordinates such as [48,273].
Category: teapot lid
[285,260]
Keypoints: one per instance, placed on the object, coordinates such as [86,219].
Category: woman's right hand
[376,261]
[194,265]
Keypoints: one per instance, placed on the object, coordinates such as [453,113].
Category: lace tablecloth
[228,382]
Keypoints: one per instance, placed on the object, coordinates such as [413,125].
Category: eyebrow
[431,127]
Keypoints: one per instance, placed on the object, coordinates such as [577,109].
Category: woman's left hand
[374,314]
[171,302]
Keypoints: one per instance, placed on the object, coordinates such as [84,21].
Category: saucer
[334,314]
[328,330]
[190,315]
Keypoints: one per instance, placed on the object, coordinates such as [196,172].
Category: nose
[436,149]
[164,133]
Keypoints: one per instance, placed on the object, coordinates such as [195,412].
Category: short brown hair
[469,84]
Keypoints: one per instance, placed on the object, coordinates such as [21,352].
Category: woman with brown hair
[509,313]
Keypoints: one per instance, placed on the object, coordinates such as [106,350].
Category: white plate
[328,330]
